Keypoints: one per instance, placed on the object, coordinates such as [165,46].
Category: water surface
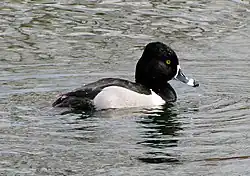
[49,47]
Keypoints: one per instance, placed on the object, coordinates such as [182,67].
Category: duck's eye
[168,62]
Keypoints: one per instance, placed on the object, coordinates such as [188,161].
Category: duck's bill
[183,78]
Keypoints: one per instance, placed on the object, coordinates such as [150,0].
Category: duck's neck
[146,77]
[166,92]
[162,88]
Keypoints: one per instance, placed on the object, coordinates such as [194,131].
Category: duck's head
[159,64]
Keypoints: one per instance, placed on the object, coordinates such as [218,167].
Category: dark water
[48,47]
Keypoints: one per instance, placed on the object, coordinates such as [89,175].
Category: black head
[157,65]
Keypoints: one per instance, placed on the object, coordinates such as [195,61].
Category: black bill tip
[196,84]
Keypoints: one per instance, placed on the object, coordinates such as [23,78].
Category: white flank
[119,97]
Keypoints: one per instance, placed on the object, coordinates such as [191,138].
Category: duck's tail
[73,102]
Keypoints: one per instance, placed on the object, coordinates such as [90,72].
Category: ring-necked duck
[157,65]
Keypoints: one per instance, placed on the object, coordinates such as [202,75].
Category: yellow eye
[168,62]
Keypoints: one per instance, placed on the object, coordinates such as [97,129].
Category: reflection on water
[160,133]
[47,47]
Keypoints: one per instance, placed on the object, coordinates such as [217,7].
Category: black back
[83,96]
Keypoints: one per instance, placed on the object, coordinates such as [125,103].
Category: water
[48,47]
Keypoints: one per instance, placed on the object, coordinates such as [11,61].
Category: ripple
[49,47]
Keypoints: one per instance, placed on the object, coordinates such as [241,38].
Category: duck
[156,67]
